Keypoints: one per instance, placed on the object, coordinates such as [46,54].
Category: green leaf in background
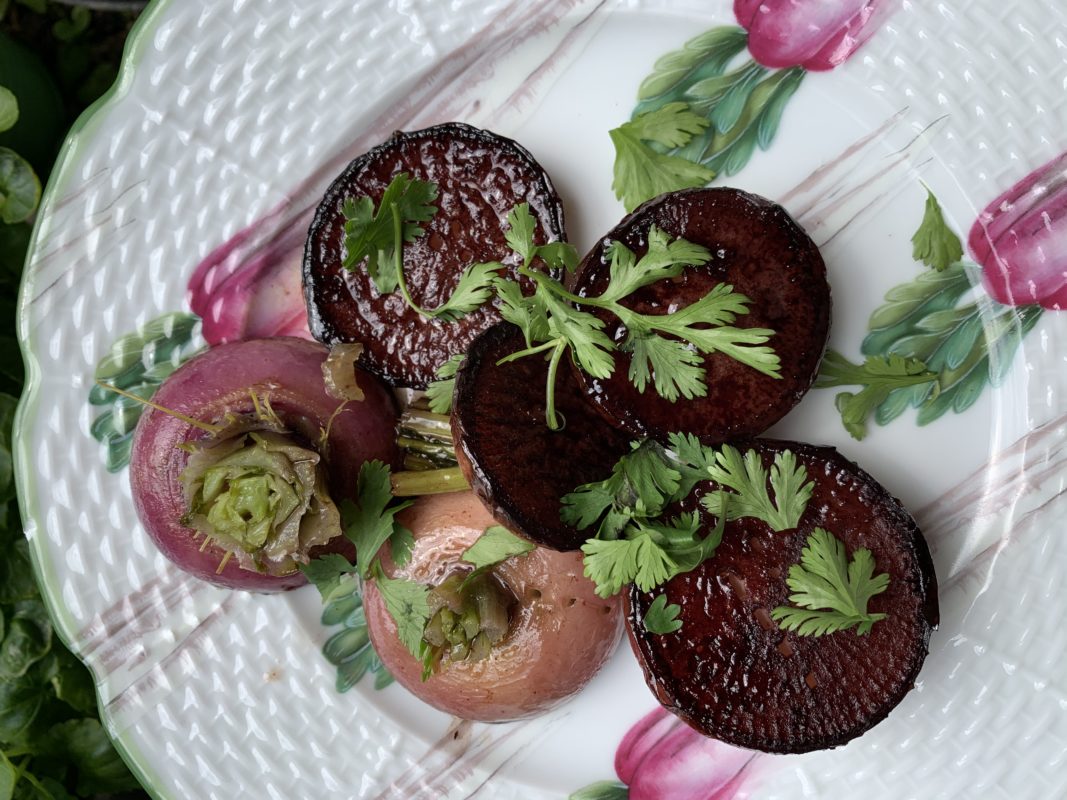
[20,191]
[40,6]
[9,109]
[85,745]
[16,570]
[69,29]
[7,417]
[73,684]
[7,778]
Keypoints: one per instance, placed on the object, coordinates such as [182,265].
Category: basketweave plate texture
[228,121]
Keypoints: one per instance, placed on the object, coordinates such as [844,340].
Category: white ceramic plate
[227,123]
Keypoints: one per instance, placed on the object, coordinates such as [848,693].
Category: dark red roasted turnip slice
[480,177]
[516,464]
[732,674]
[287,372]
[758,249]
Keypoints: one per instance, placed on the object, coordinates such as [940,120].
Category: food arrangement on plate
[595,466]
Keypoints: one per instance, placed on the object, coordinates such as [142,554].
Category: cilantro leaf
[675,369]
[748,478]
[642,479]
[662,618]
[640,559]
[520,238]
[370,234]
[326,571]
[495,545]
[528,313]
[408,604]
[878,376]
[401,543]
[474,288]
[439,392]
[583,333]
[370,522]
[832,592]
[703,326]
[520,233]
[934,243]
[663,259]
[560,255]
[641,172]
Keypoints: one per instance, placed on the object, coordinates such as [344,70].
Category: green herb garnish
[830,593]
[934,243]
[642,171]
[878,376]
[439,392]
[665,349]
[662,618]
[636,543]
[407,603]
[369,523]
[496,545]
[371,233]
[751,496]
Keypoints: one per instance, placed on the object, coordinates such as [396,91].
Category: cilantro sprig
[439,392]
[377,234]
[369,522]
[641,170]
[752,485]
[636,542]
[371,232]
[935,244]
[830,592]
[666,350]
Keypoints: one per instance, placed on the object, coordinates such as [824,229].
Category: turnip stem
[428,481]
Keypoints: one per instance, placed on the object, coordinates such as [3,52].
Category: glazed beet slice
[480,178]
[731,673]
[758,249]
[517,465]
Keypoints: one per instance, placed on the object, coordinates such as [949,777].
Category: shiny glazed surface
[480,178]
[758,249]
[515,463]
[732,674]
[561,632]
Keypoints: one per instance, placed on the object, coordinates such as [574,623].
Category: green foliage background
[56,60]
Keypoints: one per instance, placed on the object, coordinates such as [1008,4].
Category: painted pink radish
[817,35]
[662,758]
[1020,240]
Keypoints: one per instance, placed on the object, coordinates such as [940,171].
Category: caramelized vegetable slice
[480,177]
[517,465]
[733,674]
[758,249]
